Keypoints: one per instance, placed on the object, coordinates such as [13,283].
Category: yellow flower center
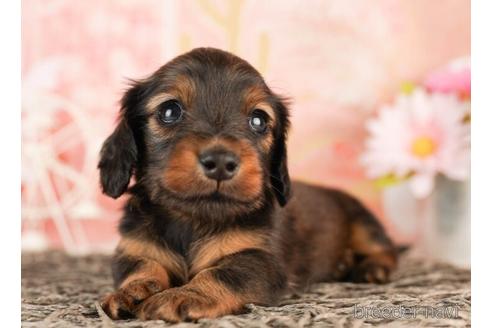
[423,147]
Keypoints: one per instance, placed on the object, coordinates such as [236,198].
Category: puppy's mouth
[217,195]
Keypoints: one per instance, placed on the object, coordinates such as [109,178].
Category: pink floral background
[338,60]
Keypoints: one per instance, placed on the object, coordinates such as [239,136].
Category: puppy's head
[203,133]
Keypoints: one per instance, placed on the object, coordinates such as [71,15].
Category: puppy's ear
[279,172]
[119,152]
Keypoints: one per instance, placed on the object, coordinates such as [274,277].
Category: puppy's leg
[250,276]
[375,254]
[143,278]
[137,276]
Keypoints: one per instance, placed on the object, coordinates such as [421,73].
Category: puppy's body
[213,221]
[327,235]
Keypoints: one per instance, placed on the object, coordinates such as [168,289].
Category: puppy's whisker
[276,178]
[274,188]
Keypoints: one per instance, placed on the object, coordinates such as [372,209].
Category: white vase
[439,225]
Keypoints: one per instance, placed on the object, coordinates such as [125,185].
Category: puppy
[213,222]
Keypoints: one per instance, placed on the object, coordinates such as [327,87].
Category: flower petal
[422,184]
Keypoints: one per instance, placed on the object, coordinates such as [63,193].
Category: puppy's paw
[371,271]
[180,304]
[122,303]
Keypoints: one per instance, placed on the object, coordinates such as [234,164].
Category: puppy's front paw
[371,271]
[122,303]
[181,304]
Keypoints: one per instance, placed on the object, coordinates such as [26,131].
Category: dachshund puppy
[212,221]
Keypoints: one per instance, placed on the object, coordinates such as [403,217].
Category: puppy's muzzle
[219,164]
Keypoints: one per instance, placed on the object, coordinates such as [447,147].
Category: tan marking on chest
[207,252]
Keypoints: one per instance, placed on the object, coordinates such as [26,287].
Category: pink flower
[454,78]
[420,135]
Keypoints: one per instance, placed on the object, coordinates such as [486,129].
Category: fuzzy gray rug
[61,291]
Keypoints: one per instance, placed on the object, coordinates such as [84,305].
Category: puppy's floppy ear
[279,172]
[119,152]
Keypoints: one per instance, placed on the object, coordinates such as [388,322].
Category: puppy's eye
[258,121]
[170,112]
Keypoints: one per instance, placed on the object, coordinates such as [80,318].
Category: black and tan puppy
[213,222]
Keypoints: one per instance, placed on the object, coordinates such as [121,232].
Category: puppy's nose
[219,164]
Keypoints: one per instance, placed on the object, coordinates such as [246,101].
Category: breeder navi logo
[405,312]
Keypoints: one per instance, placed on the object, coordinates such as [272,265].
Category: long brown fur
[199,246]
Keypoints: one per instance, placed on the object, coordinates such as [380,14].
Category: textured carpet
[61,291]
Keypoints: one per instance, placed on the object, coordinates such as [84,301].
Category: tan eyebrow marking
[155,101]
[267,108]
[182,88]
[255,98]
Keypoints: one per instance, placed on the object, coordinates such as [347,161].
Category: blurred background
[342,63]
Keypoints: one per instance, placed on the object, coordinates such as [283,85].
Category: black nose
[219,164]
